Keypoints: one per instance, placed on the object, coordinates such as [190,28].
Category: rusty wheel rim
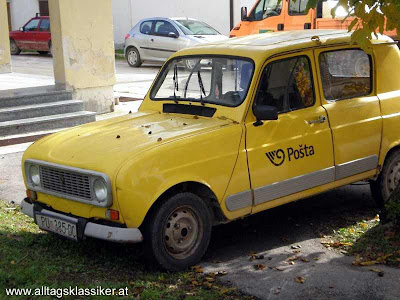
[182,234]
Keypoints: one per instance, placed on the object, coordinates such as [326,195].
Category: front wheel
[133,57]
[179,231]
[14,49]
[387,180]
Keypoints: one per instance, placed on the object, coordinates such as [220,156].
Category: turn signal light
[112,214]
[127,36]
[31,194]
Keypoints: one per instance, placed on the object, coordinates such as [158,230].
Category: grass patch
[369,240]
[31,258]
[119,54]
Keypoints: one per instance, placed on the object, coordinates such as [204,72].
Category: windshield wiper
[176,84]
[202,90]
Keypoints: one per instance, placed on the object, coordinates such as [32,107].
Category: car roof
[267,44]
[166,19]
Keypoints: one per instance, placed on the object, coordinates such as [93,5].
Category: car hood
[207,38]
[103,146]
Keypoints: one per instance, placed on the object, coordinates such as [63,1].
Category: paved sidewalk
[34,70]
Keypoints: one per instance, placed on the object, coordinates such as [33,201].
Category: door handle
[321,119]
[281,27]
[151,40]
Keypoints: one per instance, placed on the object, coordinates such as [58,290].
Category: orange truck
[284,15]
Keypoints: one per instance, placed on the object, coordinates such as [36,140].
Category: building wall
[216,13]
[22,11]
[122,20]
[126,13]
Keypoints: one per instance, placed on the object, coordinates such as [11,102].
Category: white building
[220,14]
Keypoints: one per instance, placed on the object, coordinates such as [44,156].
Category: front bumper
[98,231]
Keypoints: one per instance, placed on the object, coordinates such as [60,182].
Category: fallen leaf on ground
[221,273]
[278,269]
[385,257]
[210,279]
[291,262]
[260,267]
[197,269]
[375,270]
[293,258]
[300,279]
[305,259]
[368,263]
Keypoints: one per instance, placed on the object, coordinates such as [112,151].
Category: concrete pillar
[83,50]
[5,56]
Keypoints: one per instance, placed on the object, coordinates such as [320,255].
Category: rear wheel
[14,49]
[179,231]
[133,57]
[387,180]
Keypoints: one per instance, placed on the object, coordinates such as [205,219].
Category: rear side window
[297,7]
[287,84]
[145,27]
[44,25]
[345,74]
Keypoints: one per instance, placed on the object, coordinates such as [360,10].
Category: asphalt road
[273,234]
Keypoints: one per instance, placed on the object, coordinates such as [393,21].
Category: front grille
[65,182]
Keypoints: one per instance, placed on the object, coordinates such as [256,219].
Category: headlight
[35,175]
[100,190]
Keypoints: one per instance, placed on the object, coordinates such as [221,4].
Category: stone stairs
[32,111]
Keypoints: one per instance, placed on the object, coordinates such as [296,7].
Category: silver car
[156,39]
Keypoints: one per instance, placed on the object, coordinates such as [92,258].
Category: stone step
[45,123]
[39,110]
[31,96]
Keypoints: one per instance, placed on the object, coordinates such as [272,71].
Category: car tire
[43,52]
[387,180]
[133,57]
[178,232]
[14,49]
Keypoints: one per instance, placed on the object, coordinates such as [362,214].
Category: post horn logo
[276,157]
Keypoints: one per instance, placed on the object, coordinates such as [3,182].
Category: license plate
[61,227]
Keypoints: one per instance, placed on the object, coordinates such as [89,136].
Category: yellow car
[257,122]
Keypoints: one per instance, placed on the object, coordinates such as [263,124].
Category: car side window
[287,84]
[163,28]
[345,74]
[32,25]
[297,7]
[145,27]
[44,25]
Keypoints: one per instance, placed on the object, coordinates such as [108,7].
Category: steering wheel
[271,13]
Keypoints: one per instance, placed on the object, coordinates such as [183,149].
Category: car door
[162,44]
[297,16]
[27,38]
[295,152]
[353,109]
[142,38]
[43,35]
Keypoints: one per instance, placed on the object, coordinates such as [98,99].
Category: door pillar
[83,50]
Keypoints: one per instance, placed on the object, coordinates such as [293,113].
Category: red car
[34,35]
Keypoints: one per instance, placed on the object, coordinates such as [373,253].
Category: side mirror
[243,13]
[173,35]
[264,113]
[21,29]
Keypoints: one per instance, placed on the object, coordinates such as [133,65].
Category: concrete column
[83,50]
[5,56]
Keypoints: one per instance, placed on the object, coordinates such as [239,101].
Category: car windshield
[215,80]
[192,27]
